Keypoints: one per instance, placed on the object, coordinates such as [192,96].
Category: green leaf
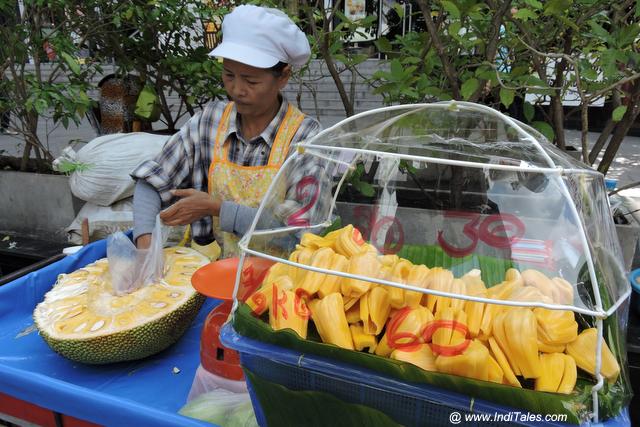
[40,106]
[365,188]
[618,113]
[525,14]
[597,30]
[628,35]
[545,129]
[276,402]
[383,44]
[71,62]
[568,22]
[451,8]
[454,29]
[529,111]
[534,3]
[469,87]
[506,96]
[557,7]
[396,70]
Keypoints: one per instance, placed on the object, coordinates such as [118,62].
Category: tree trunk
[557,115]
[622,129]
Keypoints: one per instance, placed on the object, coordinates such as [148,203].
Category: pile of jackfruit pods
[489,342]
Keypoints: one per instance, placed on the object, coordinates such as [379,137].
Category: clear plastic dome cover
[459,187]
[462,178]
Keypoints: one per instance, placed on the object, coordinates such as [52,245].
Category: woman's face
[254,90]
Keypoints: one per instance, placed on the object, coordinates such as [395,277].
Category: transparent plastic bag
[205,381]
[222,407]
[132,268]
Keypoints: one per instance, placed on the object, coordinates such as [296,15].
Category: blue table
[140,393]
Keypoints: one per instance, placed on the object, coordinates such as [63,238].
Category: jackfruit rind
[82,320]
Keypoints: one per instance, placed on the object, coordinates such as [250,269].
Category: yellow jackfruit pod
[474,287]
[488,315]
[421,356]
[332,236]
[276,270]
[389,260]
[583,351]
[331,282]
[514,276]
[495,371]
[559,373]
[399,274]
[520,328]
[538,280]
[556,327]
[349,242]
[457,287]
[569,377]
[288,310]
[328,316]
[439,279]
[374,310]
[530,294]
[314,242]
[449,328]
[504,289]
[404,330]
[473,362]
[500,337]
[301,256]
[562,291]
[417,277]
[365,264]
[353,313]
[362,340]
[508,375]
[548,348]
[350,302]
[260,301]
[321,258]
[512,283]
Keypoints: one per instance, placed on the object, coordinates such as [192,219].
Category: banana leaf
[492,269]
[283,407]
[577,405]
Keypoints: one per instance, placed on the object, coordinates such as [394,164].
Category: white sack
[100,170]
[103,220]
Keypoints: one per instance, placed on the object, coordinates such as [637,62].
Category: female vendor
[214,173]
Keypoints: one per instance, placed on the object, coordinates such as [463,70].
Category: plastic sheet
[496,213]
[205,382]
[147,392]
[132,268]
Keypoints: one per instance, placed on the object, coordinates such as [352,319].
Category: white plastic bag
[132,268]
[100,170]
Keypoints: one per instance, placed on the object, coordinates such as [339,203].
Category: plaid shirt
[185,159]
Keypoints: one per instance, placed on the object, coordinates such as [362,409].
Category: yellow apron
[246,185]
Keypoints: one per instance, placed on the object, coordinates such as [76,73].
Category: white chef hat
[261,37]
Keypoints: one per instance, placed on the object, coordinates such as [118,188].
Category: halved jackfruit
[84,321]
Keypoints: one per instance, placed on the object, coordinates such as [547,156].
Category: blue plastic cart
[148,392]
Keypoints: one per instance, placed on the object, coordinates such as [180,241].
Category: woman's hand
[192,206]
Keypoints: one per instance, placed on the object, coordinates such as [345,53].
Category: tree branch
[449,71]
